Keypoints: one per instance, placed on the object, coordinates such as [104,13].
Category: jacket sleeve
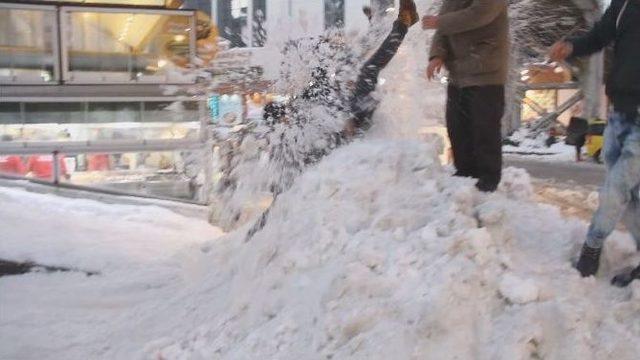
[439,47]
[602,33]
[476,15]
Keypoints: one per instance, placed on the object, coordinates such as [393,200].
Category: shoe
[486,186]
[461,174]
[626,278]
[589,261]
[408,13]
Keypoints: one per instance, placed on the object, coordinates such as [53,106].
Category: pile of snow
[375,253]
[378,253]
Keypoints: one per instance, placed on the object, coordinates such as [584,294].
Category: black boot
[589,261]
[486,186]
[408,13]
[626,278]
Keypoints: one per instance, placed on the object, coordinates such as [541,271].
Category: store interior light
[179,38]
[162,63]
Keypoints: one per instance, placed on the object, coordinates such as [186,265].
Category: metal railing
[199,143]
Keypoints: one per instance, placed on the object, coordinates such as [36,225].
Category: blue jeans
[619,197]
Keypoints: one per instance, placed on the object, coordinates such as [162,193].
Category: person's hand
[560,51]
[434,68]
[430,22]
[349,129]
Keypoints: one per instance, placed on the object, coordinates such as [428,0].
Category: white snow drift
[376,253]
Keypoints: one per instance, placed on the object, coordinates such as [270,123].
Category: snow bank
[378,253]
[89,234]
[375,253]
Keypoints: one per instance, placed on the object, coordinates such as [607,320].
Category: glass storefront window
[112,46]
[171,174]
[27,44]
[333,14]
[242,23]
[100,121]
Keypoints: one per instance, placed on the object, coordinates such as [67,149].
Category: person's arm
[601,35]
[439,47]
[478,14]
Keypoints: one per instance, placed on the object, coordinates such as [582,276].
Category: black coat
[622,29]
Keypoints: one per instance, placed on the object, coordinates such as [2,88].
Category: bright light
[390,9]
[382,81]
[45,76]
[179,38]
[162,63]
[558,70]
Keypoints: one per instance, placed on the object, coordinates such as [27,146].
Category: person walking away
[472,42]
[619,197]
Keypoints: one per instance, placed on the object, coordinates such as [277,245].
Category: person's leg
[362,104]
[487,109]
[622,155]
[460,130]
[631,218]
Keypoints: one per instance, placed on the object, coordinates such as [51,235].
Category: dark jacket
[623,29]
[473,40]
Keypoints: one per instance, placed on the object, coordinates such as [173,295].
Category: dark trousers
[474,115]
[363,104]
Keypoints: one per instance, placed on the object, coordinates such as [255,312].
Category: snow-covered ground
[376,253]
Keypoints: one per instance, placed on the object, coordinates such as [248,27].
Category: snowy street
[319,180]
[581,174]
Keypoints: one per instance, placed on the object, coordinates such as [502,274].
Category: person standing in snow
[472,42]
[619,197]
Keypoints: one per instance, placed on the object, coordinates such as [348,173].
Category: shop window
[9,113]
[27,38]
[171,174]
[242,22]
[233,21]
[259,23]
[53,113]
[333,14]
[101,121]
[106,47]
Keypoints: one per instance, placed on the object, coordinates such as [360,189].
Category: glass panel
[26,46]
[233,22]
[259,23]
[174,174]
[100,121]
[114,2]
[128,47]
[333,14]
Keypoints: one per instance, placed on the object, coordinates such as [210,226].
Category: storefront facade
[96,95]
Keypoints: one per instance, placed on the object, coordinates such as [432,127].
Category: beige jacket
[473,40]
